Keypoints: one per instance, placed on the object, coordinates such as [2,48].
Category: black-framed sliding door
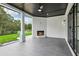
[73,28]
[77,29]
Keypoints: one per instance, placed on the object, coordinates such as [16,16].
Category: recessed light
[39,10]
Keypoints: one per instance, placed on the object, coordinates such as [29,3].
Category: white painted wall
[53,26]
[56,26]
[39,23]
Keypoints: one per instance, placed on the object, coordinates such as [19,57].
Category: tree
[26,27]
[29,26]
[7,23]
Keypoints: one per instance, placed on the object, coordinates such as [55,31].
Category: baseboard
[55,37]
[70,48]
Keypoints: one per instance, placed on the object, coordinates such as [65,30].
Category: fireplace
[40,33]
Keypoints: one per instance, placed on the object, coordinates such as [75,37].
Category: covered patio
[37,47]
[49,31]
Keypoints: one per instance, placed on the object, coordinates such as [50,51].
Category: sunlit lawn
[11,37]
[8,38]
[27,33]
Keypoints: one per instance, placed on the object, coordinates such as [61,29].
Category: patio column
[22,37]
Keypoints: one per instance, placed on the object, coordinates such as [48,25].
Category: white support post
[22,37]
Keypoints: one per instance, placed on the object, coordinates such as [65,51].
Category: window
[28,25]
[9,25]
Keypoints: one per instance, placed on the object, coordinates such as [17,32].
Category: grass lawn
[11,37]
[27,33]
[8,38]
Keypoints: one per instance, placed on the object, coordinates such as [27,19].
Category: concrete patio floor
[37,47]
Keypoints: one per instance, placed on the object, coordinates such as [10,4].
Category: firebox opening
[40,33]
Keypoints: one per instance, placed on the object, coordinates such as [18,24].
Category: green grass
[8,38]
[12,37]
[27,33]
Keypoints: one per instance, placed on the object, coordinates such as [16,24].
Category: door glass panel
[70,30]
[77,19]
[77,29]
[78,38]
[78,7]
[28,26]
[77,33]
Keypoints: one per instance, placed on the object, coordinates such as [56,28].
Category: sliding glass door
[70,28]
[9,25]
[28,26]
[73,28]
[77,26]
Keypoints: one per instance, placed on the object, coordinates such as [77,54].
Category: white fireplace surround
[52,26]
[39,24]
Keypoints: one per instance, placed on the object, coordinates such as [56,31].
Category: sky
[17,16]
